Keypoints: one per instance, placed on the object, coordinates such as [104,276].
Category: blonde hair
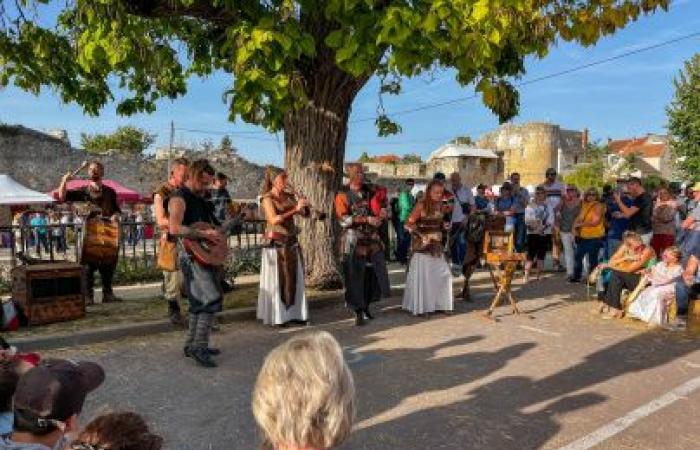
[305,394]
[674,251]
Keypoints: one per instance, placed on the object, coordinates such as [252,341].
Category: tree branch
[200,9]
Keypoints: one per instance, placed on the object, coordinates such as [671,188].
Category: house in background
[474,165]
[652,155]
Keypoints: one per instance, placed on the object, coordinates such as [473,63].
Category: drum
[100,242]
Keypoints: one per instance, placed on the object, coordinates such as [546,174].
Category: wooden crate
[49,293]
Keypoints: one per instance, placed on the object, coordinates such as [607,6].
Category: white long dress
[428,285]
[650,306]
[429,280]
[271,310]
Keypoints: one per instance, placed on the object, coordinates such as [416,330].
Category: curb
[107,334]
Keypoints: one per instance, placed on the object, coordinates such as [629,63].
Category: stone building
[39,160]
[474,165]
[652,155]
[531,148]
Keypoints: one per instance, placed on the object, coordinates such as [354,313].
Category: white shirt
[555,193]
[463,195]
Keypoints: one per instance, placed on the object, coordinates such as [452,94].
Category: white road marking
[539,330]
[619,425]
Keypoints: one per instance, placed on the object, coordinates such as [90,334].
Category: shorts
[538,245]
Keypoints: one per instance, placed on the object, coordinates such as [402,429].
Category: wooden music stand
[502,262]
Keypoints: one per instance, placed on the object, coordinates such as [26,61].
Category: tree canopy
[275,47]
[127,139]
[684,121]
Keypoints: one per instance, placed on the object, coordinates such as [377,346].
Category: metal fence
[138,244]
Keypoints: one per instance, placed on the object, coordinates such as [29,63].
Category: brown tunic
[428,235]
[283,238]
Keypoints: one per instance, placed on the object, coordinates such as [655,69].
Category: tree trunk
[315,135]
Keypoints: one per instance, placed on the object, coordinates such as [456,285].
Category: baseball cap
[53,391]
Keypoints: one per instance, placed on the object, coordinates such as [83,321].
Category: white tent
[13,193]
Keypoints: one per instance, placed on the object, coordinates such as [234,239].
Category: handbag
[167,256]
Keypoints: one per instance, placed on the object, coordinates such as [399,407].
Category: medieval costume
[281,298]
[429,279]
[167,256]
[361,250]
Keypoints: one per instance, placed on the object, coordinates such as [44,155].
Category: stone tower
[532,148]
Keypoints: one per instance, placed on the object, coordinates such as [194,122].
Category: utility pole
[170,146]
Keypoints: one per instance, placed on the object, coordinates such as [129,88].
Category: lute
[204,251]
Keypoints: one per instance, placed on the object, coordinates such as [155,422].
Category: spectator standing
[663,221]
[117,431]
[639,214]
[504,205]
[481,202]
[138,218]
[521,198]
[220,197]
[690,228]
[66,221]
[463,204]
[406,202]
[555,192]
[539,219]
[564,224]
[48,400]
[589,228]
[617,223]
[56,232]
[39,225]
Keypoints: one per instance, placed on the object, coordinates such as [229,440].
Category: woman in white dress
[281,298]
[652,304]
[429,280]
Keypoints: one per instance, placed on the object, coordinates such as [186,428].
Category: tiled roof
[643,146]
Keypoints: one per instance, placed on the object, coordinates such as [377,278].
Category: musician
[167,253]
[429,279]
[103,198]
[364,265]
[187,206]
[281,298]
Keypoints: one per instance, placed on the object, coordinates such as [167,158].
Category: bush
[133,271]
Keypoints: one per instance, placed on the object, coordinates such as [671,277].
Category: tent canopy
[124,194]
[13,193]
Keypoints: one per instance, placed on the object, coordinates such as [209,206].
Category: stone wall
[533,147]
[38,161]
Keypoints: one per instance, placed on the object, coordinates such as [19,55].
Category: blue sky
[623,98]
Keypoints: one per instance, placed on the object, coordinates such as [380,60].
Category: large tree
[296,65]
[684,121]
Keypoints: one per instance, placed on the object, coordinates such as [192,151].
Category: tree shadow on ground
[428,405]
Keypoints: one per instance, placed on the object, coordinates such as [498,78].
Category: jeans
[591,249]
[520,232]
[42,240]
[403,241]
[459,245]
[567,240]
[683,295]
[611,246]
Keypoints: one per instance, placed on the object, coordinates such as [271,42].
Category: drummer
[103,198]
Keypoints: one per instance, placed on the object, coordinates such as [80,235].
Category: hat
[55,390]
[696,187]
[439,176]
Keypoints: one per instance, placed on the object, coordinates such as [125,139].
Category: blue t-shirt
[40,224]
[617,226]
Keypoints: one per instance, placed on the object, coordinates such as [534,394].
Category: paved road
[554,378]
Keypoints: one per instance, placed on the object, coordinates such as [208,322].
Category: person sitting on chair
[627,266]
